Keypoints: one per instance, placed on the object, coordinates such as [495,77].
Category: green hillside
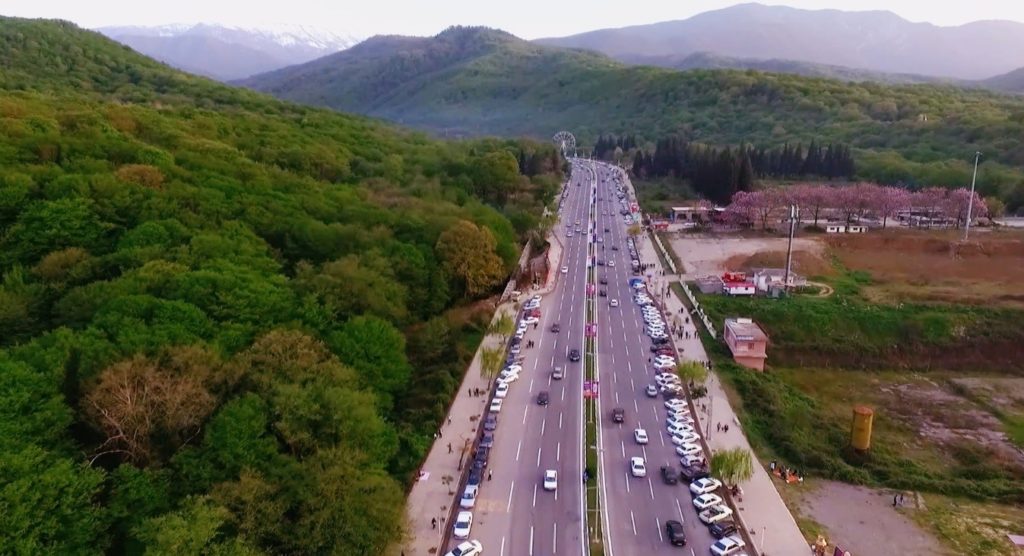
[228,324]
[478,81]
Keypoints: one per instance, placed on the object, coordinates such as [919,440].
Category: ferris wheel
[565,141]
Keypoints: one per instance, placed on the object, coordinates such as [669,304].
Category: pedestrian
[901,499]
[449,419]
[435,436]
[894,499]
[439,433]
[433,521]
[727,428]
[449,447]
[718,427]
[490,474]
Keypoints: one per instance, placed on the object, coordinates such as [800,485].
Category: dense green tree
[468,254]
[376,350]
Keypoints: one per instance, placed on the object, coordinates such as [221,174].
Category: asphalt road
[636,509]
[514,515]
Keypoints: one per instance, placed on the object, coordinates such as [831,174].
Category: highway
[636,509]
[513,514]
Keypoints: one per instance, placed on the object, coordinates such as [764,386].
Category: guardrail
[698,310]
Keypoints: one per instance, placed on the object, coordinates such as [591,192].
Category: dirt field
[935,266]
[861,520]
[704,255]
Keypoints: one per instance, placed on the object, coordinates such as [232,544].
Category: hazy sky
[525,18]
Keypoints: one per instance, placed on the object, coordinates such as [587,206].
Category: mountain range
[877,41]
[227,52]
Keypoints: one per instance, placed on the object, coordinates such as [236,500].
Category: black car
[618,415]
[675,532]
[556,328]
[483,455]
[661,340]
[474,477]
[614,248]
[721,529]
[600,262]
[574,355]
[490,422]
[604,293]
[669,475]
[691,473]
[607,230]
[487,440]
[543,398]
[603,281]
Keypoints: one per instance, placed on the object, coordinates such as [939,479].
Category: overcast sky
[526,18]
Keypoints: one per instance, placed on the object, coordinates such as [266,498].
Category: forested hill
[228,324]
[917,134]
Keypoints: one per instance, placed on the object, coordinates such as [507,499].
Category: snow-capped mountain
[227,52]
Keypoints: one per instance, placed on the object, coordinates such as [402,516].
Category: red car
[533,313]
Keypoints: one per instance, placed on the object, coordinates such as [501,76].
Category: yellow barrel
[860,435]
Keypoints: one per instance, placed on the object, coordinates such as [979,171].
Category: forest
[719,173]
[228,324]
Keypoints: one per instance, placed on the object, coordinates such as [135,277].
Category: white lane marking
[633,521]
[544,423]
[631,384]
[531,382]
[519,447]
[559,419]
[554,537]
[660,534]
[627,482]
[511,489]
[538,456]
[616,397]
[623,444]
[531,540]
[662,438]
[680,508]
[534,496]
[535,361]
[525,411]
[637,408]
[655,411]
[650,484]
[502,553]
[563,393]
[558,451]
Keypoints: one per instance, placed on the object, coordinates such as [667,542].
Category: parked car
[694,472]
[490,422]
[468,499]
[722,528]
[482,455]
[463,523]
[487,440]
[704,486]
[501,390]
[618,415]
[495,405]
[468,548]
[727,546]
[715,514]
[675,533]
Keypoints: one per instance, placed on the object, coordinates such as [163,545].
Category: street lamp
[970,200]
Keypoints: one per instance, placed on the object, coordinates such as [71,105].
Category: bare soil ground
[704,255]
[861,520]
[935,266]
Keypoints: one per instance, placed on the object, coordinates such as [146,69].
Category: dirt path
[863,521]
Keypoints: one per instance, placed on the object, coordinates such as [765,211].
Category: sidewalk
[768,520]
[433,495]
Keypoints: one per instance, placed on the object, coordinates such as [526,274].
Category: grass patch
[1015,429]
[971,527]
[657,196]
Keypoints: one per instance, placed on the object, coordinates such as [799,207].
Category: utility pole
[970,200]
[794,214]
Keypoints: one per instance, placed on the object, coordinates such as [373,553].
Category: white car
[714,514]
[665,378]
[672,404]
[695,459]
[463,523]
[640,435]
[688,449]
[679,438]
[531,320]
[680,419]
[705,486]
[496,405]
[664,364]
[651,391]
[668,358]
[676,429]
[508,379]
[728,546]
[468,548]
[502,390]
[683,450]
[705,501]
[550,479]
[565,270]
[469,497]
[614,303]
[637,467]
[611,264]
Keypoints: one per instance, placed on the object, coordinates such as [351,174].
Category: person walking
[433,520]
[490,474]
[449,447]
